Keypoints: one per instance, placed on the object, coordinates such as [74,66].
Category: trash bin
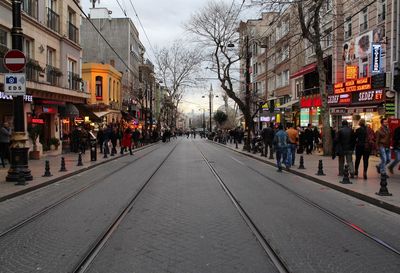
[93,148]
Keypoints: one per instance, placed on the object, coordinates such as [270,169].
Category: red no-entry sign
[14,60]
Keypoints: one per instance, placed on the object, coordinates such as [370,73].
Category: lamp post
[18,151]
[210,98]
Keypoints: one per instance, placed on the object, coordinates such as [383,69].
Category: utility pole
[210,102]
[18,151]
[247,146]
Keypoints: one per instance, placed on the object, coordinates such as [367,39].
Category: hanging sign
[376,58]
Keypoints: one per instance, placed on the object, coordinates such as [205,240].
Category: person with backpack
[363,147]
[396,149]
[281,140]
[383,146]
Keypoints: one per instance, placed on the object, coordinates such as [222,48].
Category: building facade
[51,44]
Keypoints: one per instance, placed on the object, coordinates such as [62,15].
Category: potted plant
[34,132]
[54,143]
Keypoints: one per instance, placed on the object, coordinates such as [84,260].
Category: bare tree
[178,66]
[215,28]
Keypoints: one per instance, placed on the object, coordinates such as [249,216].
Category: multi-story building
[123,36]
[366,52]
[104,85]
[51,43]
[146,96]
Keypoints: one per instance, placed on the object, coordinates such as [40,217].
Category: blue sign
[376,58]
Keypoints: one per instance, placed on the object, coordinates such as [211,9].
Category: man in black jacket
[268,137]
[396,149]
[345,147]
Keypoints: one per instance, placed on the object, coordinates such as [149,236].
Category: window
[53,19]
[328,37]
[285,78]
[298,89]
[99,87]
[3,37]
[328,6]
[109,89]
[72,29]
[271,84]
[279,80]
[347,28]
[381,10]
[73,76]
[28,48]
[363,19]
[282,29]
[52,4]
[50,58]
[30,7]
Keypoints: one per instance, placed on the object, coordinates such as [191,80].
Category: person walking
[396,149]
[100,139]
[309,139]
[293,136]
[126,142]
[281,146]
[345,147]
[268,138]
[5,136]
[383,146]
[363,147]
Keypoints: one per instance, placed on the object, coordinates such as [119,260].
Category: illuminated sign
[37,121]
[339,99]
[376,58]
[353,85]
[3,96]
[351,72]
[373,96]
[310,102]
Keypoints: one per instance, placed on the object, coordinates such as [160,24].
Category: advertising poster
[363,45]
[349,51]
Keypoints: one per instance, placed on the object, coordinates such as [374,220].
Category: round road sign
[14,60]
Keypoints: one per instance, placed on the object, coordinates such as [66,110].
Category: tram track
[69,196]
[325,211]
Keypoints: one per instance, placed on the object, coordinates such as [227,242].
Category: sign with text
[376,58]
[353,85]
[15,84]
[368,97]
[351,72]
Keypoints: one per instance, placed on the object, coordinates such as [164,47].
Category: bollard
[63,169]
[80,160]
[320,168]
[47,172]
[21,179]
[301,166]
[346,179]
[112,152]
[383,191]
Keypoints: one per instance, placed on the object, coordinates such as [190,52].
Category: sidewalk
[9,189]
[361,189]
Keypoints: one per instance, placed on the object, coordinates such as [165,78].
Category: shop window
[381,10]
[99,87]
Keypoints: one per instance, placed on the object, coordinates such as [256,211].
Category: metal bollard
[301,166]
[383,191]
[21,179]
[80,160]
[63,169]
[47,172]
[346,179]
[320,168]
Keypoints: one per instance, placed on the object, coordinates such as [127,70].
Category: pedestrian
[363,147]
[5,136]
[383,146]
[268,137]
[317,137]
[293,135]
[396,149]
[100,139]
[309,139]
[114,139]
[126,142]
[281,146]
[135,138]
[106,139]
[344,148]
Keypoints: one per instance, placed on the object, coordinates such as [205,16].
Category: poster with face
[349,51]
[379,37]
[363,45]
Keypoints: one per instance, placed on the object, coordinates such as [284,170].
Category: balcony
[53,75]
[73,32]
[33,70]
[74,81]
[53,20]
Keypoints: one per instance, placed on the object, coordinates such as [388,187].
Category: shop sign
[351,72]
[338,111]
[310,102]
[376,58]
[353,85]
[339,99]
[373,96]
[37,121]
[51,102]
[3,96]
[378,81]
[390,108]
[49,110]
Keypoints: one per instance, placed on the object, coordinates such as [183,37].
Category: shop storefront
[6,108]
[310,108]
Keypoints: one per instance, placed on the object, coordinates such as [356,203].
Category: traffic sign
[14,60]
[15,84]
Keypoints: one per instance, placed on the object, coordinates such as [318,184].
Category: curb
[52,181]
[361,196]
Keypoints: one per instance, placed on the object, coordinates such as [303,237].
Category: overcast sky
[163,22]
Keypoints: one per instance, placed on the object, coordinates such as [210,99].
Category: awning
[306,69]
[288,104]
[126,116]
[86,112]
[101,114]
[68,110]
[266,105]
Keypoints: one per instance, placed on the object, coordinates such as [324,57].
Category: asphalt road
[183,221]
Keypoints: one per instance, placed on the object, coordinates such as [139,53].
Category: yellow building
[104,85]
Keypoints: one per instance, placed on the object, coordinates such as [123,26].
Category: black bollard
[346,179]
[320,168]
[80,160]
[63,169]
[47,172]
[21,179]
[301,166]
[383,191]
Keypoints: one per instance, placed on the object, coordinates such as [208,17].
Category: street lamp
[210,98]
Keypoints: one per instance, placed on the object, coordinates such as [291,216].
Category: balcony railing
[33,70]
[73,32]
[74,81]
[53,20]
[53,75]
